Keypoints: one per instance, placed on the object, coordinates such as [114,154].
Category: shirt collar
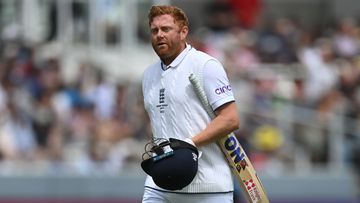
[178,59]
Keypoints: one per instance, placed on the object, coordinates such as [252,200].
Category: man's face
[167,38]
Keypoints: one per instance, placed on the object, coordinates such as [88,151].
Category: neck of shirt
[177,60]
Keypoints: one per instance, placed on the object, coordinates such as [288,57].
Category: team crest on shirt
[162,104]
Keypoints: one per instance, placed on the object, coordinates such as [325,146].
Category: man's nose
[160,34]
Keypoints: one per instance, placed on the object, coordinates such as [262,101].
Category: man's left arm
[220,96]
[225,122]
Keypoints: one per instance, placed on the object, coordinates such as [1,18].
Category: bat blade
[239,162]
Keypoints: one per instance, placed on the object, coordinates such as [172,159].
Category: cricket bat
[235,155]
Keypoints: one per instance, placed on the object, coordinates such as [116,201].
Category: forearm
[226,121]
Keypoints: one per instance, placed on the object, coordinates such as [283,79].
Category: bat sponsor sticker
[238,156]
[252,190]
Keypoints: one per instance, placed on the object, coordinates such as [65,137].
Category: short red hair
[178,14]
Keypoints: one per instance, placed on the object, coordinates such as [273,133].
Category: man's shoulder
[200,56]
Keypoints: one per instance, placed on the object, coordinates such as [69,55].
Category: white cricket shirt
[175,111]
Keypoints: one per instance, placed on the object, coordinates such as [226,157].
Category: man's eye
[166,29]
[154,31]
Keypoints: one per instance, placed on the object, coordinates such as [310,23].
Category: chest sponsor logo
[162,104]
[223,89]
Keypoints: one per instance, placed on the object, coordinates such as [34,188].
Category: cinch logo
[223,89]
[231,144]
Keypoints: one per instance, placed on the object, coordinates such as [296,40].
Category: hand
[190,141]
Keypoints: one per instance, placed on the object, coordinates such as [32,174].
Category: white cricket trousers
[156,196]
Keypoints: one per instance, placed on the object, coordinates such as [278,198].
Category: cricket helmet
[172,164]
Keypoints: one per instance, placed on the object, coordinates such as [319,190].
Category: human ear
[184,32]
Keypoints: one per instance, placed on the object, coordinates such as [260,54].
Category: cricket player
[176,112]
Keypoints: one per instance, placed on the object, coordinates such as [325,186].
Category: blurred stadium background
[72,126]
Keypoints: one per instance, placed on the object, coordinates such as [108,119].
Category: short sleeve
[216,84]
